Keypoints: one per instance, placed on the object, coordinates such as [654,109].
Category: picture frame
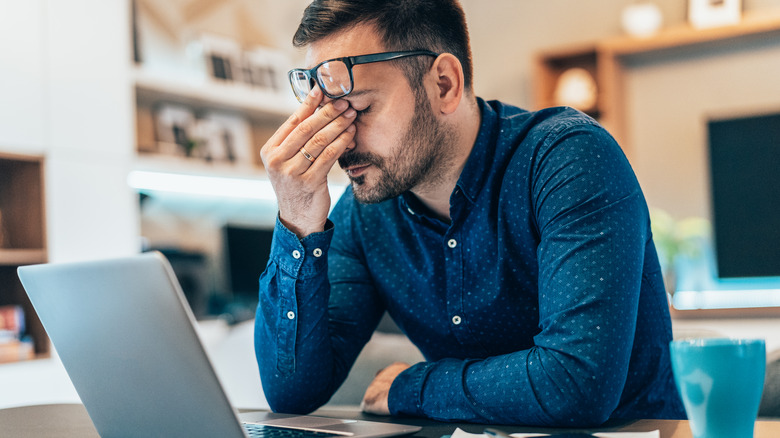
[223,137]
[173,129]
[223,58]
[704,14]
[266,69]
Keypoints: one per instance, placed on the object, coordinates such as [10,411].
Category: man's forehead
[356,40]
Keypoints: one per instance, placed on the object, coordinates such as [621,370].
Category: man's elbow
[286,397]
[285,404]
[580,410]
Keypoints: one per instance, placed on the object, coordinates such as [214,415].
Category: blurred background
[131,125]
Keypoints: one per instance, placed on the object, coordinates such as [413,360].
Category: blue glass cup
[720,382]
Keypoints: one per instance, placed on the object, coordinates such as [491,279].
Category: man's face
[399,141]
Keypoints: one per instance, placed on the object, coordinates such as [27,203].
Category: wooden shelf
[605,60]
[23,243]
[198,167]
[210,94]
[551,64]
[752,25]
[18,257]
[264,111]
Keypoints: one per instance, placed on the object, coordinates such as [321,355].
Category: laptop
[127,339]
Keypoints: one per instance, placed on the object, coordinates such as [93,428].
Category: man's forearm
[293,348]
[292,342]
[308,332]
[533,387]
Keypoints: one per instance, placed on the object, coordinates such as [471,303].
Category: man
[512,247]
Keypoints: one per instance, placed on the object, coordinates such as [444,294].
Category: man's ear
[449,83]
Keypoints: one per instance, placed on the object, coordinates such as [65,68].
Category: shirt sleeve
[309,329]
[593,228]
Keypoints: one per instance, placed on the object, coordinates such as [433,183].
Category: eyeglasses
[334,76]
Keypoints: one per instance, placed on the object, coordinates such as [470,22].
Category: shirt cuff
[301,258]
[405,396]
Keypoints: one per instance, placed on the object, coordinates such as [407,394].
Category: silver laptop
[126,337]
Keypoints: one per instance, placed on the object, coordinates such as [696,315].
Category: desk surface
[71,420]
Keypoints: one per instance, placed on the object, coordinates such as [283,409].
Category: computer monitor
[744,158]
[247,250]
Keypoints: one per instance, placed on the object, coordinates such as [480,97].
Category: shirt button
[410,210]
[317,252]
[456,320]
[452,243]
[290,315]
[296,254]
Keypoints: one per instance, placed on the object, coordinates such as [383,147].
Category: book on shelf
[11,322]
[12,346]
[14,351]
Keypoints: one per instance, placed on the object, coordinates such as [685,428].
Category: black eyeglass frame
[350,61]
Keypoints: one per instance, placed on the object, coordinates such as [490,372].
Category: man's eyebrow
[358,93]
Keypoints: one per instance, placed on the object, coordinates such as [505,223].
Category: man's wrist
[301,257]
[305,230]
[405,395]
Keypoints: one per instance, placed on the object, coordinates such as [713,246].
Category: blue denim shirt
[541,303]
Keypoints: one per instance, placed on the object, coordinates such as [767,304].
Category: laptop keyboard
[263,431]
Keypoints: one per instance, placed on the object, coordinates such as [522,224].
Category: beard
[419,158]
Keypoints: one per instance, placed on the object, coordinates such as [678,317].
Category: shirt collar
[480,162]
[478,166]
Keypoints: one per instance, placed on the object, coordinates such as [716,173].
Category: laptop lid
[126,336]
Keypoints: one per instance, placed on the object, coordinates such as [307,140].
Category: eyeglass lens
[333,77]
[301,83]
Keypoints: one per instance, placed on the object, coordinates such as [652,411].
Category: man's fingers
[375,399]
[319,129]
[375,402]
[327,157]
[306,109]
[310,131]
[322,138]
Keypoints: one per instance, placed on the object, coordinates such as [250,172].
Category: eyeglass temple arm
[387,56]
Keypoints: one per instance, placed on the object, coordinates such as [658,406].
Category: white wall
[667,96]
[23,124]
[92,212]
[66,95]
[672,98]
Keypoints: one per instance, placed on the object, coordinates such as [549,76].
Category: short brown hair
[436,25]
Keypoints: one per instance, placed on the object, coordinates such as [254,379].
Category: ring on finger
[308,156]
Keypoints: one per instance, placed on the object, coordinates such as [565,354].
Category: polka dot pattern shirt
[541,303]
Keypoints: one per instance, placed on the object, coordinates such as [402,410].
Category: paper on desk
[459,433]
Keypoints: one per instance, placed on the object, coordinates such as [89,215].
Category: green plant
[675,239]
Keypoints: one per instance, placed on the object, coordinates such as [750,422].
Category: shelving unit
[264,111]
[606,60]
[23,235]
[255,103]
[550,65]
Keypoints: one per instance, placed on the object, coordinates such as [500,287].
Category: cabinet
[606,60]
[22,239]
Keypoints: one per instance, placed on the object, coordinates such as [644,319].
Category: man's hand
[300,179]
[375,399]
